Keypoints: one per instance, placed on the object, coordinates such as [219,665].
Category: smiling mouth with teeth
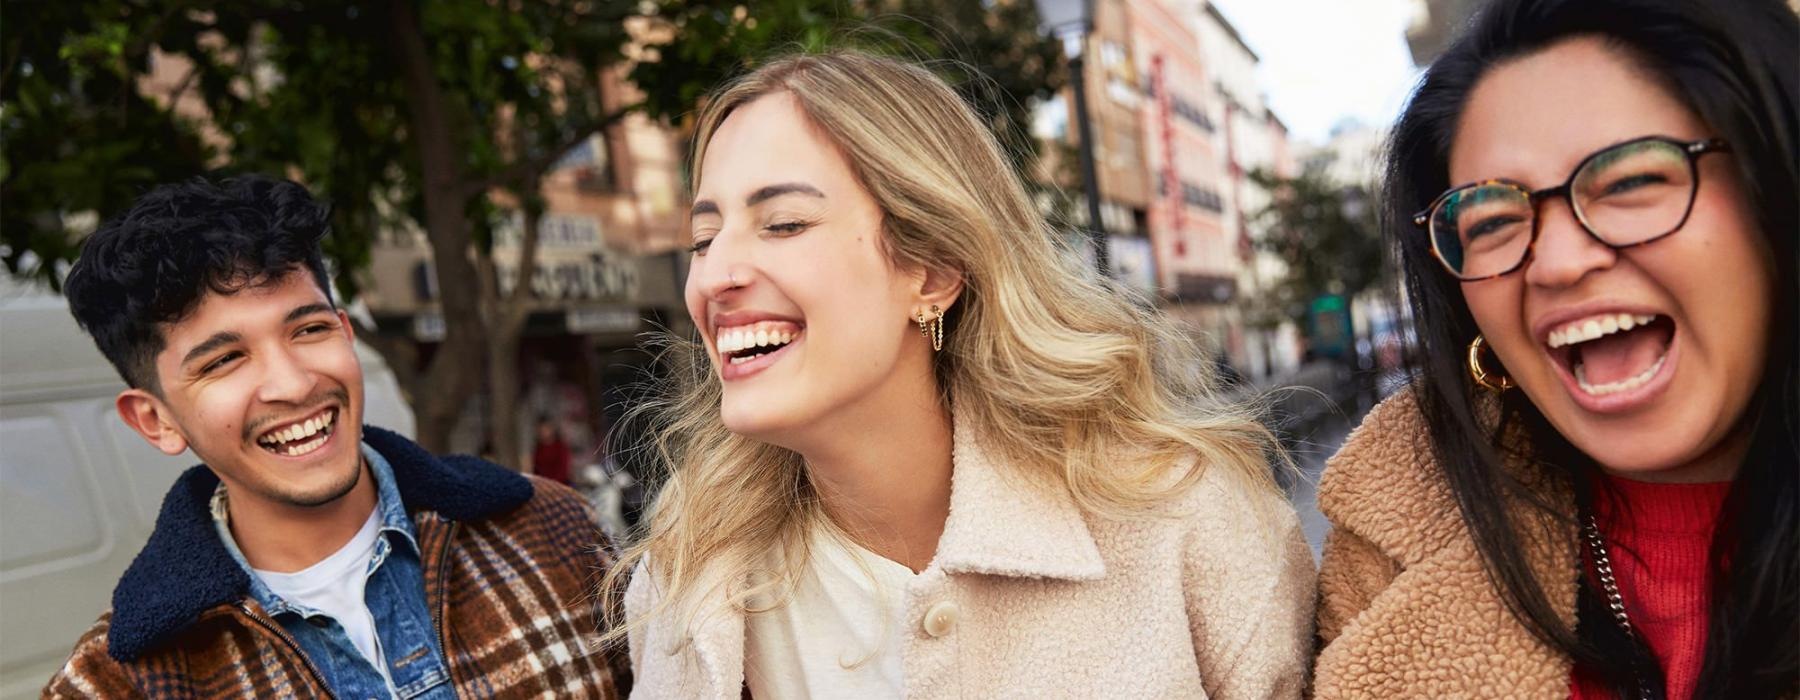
[742,344]
[1613,353]
[300,438]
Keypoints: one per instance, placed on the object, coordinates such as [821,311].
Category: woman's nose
[1564,251]
[724,267]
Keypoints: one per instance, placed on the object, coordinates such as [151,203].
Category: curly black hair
[153,265]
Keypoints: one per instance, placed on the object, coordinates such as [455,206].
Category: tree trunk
[507,316]
[455,370]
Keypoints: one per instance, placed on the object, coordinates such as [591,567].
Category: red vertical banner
[1171,178]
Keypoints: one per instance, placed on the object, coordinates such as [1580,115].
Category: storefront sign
[598,277]
[602,320]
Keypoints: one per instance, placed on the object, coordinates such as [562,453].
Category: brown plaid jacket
[510,566]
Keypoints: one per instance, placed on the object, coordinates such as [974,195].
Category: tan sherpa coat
[1405,610]
[1050,603]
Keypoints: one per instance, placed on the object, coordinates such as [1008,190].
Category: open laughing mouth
[1614,361]
[303,437]
[744,350]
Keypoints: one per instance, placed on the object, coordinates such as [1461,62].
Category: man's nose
[285,378]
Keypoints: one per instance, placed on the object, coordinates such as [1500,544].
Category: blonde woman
[919,453]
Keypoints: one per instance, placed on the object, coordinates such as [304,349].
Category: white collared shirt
[839,635]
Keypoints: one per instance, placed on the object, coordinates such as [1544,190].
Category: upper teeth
[1597,326]
[759,335]
[300,430]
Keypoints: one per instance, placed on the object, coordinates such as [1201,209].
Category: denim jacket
[395,595]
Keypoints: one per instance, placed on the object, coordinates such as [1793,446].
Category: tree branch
[13,53]
[526,167]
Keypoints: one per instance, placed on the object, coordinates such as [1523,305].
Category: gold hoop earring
[1496,383]
[932,327]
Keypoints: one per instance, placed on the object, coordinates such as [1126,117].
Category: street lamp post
[1070,20]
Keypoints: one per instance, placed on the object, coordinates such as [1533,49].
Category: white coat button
[941,618]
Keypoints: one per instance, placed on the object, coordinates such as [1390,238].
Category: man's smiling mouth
[301,437]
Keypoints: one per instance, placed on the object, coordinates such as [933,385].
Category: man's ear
[940,287]
[147,415]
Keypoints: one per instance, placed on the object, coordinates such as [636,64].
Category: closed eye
[787,228]
[1490,225]
[219,362]
[1627,184]
[699,247]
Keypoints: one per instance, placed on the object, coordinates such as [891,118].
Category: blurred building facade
[1179,122]
[1255,139]
[1435,24]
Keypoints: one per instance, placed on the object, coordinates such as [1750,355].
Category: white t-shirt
[335,586]
[839,635]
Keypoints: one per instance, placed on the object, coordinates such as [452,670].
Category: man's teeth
[747,337]
[317,428]
[1626,384]
[1596,327]
[305,447]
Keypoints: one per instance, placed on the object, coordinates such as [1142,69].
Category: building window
[590,163]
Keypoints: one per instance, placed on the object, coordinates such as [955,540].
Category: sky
[1327,60]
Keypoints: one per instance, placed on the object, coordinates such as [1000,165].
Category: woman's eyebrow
[707,206]
[773,191]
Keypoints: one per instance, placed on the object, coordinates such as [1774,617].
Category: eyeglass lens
[1624,195]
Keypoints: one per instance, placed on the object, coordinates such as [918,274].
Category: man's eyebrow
[307,310]
[218,340]
[773,191]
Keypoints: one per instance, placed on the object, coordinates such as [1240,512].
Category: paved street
[1310,456]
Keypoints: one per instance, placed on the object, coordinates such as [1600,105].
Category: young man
[308,555]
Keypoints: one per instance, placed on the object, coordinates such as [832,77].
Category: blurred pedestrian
[550,457]
[1591,491]
[307,555]
[922,451]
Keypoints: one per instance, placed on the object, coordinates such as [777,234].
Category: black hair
[152,265]
[1736,65]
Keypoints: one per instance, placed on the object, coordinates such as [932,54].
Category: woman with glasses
[1590,488]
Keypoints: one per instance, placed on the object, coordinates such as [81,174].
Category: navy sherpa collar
[184,569]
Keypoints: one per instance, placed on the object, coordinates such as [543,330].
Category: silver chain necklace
[1603,566]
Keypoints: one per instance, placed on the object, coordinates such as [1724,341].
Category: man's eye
[784,228]
[315,329]
[218,363]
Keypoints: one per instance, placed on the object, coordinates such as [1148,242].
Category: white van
[79,491]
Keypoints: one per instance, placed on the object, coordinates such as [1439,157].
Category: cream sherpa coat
[1049,603]
[1405,610]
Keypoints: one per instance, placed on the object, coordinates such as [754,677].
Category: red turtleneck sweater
[1659,537]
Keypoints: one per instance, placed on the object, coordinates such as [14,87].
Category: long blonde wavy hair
[1058,371]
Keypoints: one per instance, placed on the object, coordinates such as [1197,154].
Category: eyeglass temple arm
[1708,146]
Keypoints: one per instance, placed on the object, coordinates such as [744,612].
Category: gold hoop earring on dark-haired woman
[1492,381]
